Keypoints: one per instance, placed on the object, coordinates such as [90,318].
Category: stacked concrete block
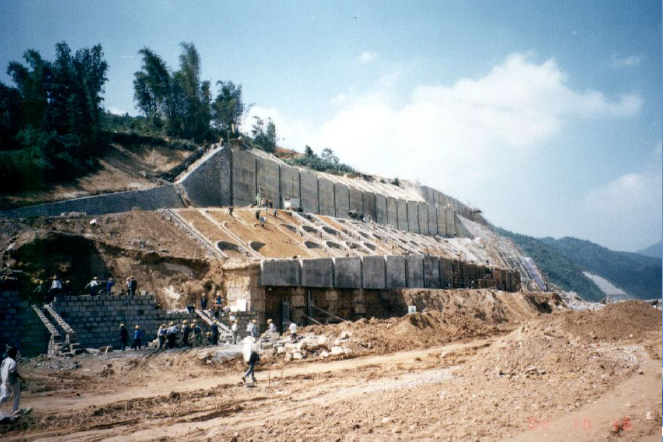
[357,201]
[370,206]
[395,272]
[213,173]
[381,209]
[347,273]
[280,272]
[309,191]
[450,224]
[401,206]
[441,221]
[446,273]
[392,213]
[423,218]
[244,178]
[413,217]
[414,270]
[317,272]
[289,180]
[432,219]
[341,200]
[268,180]
[326,198]
[432,272]
[373,272]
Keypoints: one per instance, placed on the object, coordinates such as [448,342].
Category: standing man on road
[124,336]
[293,331]
[138,338]
[234,330]
[215,333]
[203,303]
[10,380]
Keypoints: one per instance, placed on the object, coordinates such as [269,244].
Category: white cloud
[631,60]
[339,99]
[368,56]
[116,111]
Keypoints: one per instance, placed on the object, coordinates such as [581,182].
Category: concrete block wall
[214,170]
[432,219]
[373,272]
[414,271]
[342,200]
[370,206]
[395,271]
[326,198]
[244,166]
[268,180]
[280,272]
[357,201]
[413,216]
[423,218]
[289,182]
[19,325]
[317,272]
[401,215]
[347,273]
[309,192]
[381,209]
[392,213]
[432,272]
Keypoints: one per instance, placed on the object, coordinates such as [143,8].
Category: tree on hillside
[329,155]
[228,109]
[179,99]
[264,136]
[56,108]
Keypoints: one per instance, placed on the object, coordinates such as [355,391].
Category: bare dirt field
[567,375]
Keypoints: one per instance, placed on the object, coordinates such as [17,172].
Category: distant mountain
[556,267]
[637,275]
[653,251]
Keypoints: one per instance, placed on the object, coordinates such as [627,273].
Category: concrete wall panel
[432,219]
[423,218]
[326,201]
[357,201]
[449,217]
[309,191]
[432,272]
[380,209]
[413,216]
[446,273]
[370,206]
[208,184]
[268,178]
[373,272]
[289,183]
[244,178]
[441,221]
[392,213]
[342,200]
[347,273]
[395,271]
[415,271]
[401,206]
[317,272]
[280,272]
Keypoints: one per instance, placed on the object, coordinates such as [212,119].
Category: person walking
[93,285]
[124,336]
[253,360]
[215,332]
[10,379]
[161,334]
[185,333]
[138,338]
[197,335]
[234,329]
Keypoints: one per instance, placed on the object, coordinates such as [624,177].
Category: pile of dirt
[619,321]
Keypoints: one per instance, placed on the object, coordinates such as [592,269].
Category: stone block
[326,202]
[289,180]
[373,272]
[449,218]
[415,271]
[244,178]
[392,213]
[413,217]
[347,273]
[268,180]
[309,191]
[401,206]
[395,271]
[342,200]
[317,272]
[380,209]
[432,272]
[423,218]
[369,206]
[356,201]
[432,219]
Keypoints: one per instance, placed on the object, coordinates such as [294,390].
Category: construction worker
[92,285]
[56,285]
[138,338]
[214,329]
[249,328]
[10,379]
[230,210]
[109,286]
[203,303]
[271,327]
[197,334]
[253,360]
[161,334]
[171,335]
[185,333]
[234,329]
[124,336]
[293,331]
[208,338]
[263,220]
[132,286]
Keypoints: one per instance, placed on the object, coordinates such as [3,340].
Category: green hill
[637,275]
[557,268]
[653,251]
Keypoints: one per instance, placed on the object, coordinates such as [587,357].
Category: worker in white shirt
[293,331]
[234,330]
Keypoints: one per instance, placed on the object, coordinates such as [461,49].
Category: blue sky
[544,114]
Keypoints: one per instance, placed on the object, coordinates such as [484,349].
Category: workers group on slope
[95,287]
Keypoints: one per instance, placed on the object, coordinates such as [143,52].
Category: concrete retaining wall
[326,197]
[392,213]
[395,272]
[289,180]
[370,208]
[342,200]
[309,192]
[244,178]
[423,218]
[280,272]
[413,216]
[381,209]
[432,272]
[317,272]
[19,325]
[432,219]
[213,172]
[347,273]
[268,180]
[401,213]
[373,272]
[357,201]
[414,271]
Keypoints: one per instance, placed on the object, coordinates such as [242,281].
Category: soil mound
[619,321]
